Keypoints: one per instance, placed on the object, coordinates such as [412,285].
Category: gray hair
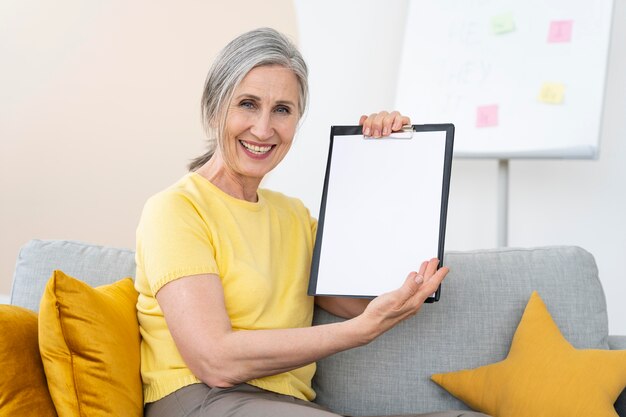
[252,49]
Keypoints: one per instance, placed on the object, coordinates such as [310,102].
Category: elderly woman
[223,265]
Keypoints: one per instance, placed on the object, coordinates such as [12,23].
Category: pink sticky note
[487,116]
[560,31]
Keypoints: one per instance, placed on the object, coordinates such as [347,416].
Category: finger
[413,304]
[409,288]
[431,284]
[406,120]
[397,121]
[377,123]
[387,122]
[393,122]
[431,268]
[363,121]
[422,271]
[367,124]
[413,282]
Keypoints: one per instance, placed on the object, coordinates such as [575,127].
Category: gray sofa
[482,301]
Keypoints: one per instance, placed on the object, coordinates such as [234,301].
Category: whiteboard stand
[503,203]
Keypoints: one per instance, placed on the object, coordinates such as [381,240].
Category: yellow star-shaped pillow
[543,375]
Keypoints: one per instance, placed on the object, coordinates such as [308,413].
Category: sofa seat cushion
[89,344]
[23,387]
[543,375]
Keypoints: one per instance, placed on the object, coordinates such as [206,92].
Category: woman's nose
[262,126]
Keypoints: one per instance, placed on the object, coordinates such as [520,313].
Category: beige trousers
[199,400]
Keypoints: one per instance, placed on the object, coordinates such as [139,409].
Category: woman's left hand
[383,123]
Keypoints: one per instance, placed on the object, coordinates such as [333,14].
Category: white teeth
[259,150]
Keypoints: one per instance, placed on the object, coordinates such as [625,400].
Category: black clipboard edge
[447,171]
[317,249]
[445,192]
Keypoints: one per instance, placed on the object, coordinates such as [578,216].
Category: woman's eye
[247,104]
[283,109]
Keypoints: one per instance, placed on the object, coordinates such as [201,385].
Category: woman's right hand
[389,309]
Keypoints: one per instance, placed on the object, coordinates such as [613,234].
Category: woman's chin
[258,168]
[256,171]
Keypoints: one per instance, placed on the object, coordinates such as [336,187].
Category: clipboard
[383,210]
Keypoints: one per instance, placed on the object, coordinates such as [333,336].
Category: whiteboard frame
[429,84]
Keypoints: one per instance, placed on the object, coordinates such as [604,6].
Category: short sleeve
[313,221]
[173,240]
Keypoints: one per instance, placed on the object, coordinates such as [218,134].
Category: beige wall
[99,109]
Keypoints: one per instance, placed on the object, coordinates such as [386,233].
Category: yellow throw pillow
[89,343]
[543,375]
[23,387]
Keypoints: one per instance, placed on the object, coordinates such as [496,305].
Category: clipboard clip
[405,133]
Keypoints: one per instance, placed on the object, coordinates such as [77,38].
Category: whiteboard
[383,210]
[517,79]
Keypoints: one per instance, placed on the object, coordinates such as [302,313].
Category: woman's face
[261,121]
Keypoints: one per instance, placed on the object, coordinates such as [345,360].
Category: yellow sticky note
[503,23]
[552,93]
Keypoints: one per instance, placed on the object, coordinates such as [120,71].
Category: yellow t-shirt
[262,253]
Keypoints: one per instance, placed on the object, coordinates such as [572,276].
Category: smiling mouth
[257,150]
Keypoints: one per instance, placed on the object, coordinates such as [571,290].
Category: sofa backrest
[96,265]
[482,301]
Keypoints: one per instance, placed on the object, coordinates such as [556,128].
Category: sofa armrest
[619,343]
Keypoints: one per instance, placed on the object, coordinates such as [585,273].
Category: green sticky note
[503,23]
